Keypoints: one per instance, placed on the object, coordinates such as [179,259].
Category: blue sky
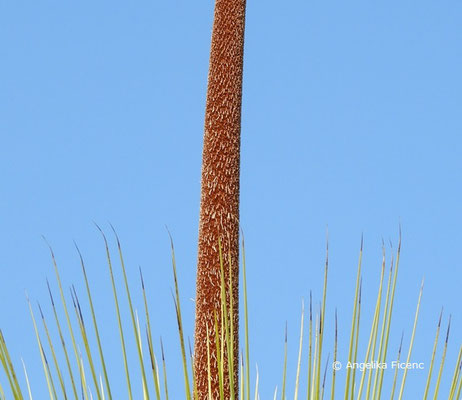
[351,120]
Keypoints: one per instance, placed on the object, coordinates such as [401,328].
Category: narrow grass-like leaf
[226,319]
[246,321]
[432,362]
[324,377]
[209,373]
[66,312]
[84,380]
[42,356]
[95,325]
[2,393]
[219,350]
[395,377]
[455,376]
[193,374]
[310,350]
[164,368]
[300,346]
[53,354]
[375,329]
[155,373]
[322,317]
[401,391]
[332,392]
[256,384]
[443,359]
[459,389]
[83,332]
[387,325]
[63,343]
[315,355]
[284,368]
[9,368]
[370,352]
[230,336]
[382,333]
[138,332]
[53,387]
[102,387]
[132,314]
[180,322]
[119,319]
[27,379]
[355,353]
[353,323]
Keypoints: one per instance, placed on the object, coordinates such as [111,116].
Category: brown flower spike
[219,209]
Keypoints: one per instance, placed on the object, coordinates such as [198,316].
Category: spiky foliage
[75,367]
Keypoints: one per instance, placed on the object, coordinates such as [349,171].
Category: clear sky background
[351,120]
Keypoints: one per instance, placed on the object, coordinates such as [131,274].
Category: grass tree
[218,249]
[70,343]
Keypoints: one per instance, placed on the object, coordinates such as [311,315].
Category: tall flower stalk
[218,248]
